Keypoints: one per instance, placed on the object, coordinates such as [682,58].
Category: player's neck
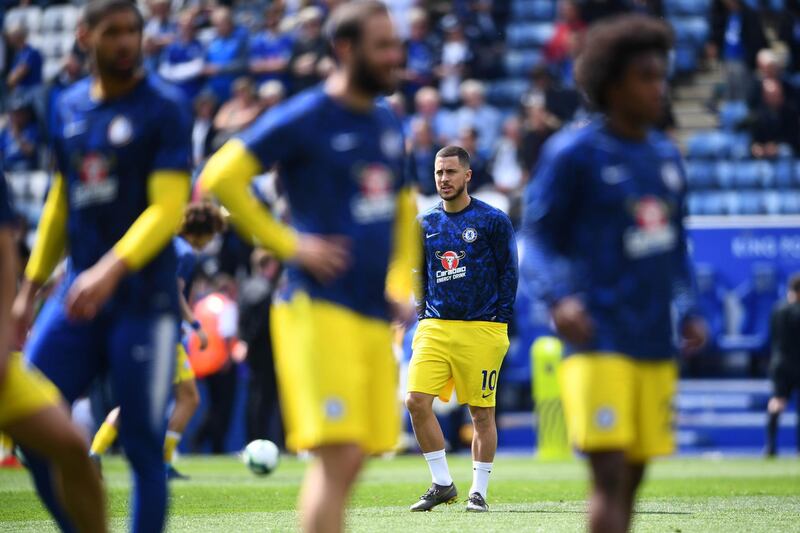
[457,204]
[627,129]
[341,88]
[110,88]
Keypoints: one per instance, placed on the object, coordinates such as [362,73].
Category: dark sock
[772,433]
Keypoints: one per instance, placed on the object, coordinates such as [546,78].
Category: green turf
[680,495]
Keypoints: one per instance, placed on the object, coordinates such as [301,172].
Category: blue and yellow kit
[468,286]
[343,172]
[122,183]
[187,264]
[604,222]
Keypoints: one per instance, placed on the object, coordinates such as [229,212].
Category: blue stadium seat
[731,114]
[506,93]
[528,34]
[739,146]
[752,174]
[713,203]
[725,172]
[771,201]
[685,58]
[790,203]
[690,30]
[532,10]
[711,144]
[747,202]
[700,175]
[520,62]
[687,7]
[694,203]
[784,173]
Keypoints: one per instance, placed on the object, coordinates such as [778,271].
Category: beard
[457,191]
[109,67]
[369,81]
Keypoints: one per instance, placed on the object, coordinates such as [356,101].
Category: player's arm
[8,284]
[188,315]
[505,254]
[51,241]
[421,278]
[405,262]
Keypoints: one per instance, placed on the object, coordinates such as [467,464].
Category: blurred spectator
[422,52]
[737,36]
[226,56]
[476,113]
[71,71]
[456,55]
[441,121]
[240,111]
[506,167]
[270,49]
[422,156]
[270,94]
[310,62]
[479,160]
[562,102]
[593,10]
[768,67]
[568,24]
[221,386]
[255,301]
[538,125]
[789,33]
[19,139]
[486,40]
[183,60]
[159,31]
[397,103]
[203,131]
[776,124]
[25,73]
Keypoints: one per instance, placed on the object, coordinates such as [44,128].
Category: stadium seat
[724,172]
[685,59]
[519,63]
[528,34]
[710,144]
[790,203]
[687,7]
[712,203]
[753,174]
[508,92]
[731,114]
[700,175]
[539,10]
[30,17]
[784,173]
[690,30]
[771,202]
[747,202]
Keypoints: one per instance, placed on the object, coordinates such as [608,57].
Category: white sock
[437,462]
[480,477]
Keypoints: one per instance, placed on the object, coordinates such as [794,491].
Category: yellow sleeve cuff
[406,258]
[228,175]
[168,192]
[51,237]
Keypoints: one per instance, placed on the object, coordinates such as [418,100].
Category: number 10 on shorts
[489,379]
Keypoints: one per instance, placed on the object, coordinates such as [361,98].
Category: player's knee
[482,418]
[189,395]
[418,404]
[72,448]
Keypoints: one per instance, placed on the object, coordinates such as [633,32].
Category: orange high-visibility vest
[209,361]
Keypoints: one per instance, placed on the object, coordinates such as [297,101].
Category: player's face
[451,178]
[377,58]
[641,92]
[198,242]
[116,43]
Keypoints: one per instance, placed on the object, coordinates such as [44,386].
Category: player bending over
[607,252]
[201,221]
[468,286]
[350,253]
[122,144]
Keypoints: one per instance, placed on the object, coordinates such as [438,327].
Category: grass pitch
[680,495]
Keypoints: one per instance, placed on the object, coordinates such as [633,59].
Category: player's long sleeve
[51,234]
[683,287]
[228,175]
[167,192]
[405,263]
[505,253]
[547,227]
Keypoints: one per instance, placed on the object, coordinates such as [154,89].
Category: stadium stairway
[690,104]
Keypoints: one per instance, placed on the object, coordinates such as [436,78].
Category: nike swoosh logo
[344,142]
[429,235]
[484,396]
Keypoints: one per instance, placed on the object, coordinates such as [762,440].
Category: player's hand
[402,312]
[203,338]
[694,335]
[572,322]
[776,405]
[22,313]
[93,287]
[325,258]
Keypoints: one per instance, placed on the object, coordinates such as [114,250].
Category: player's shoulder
[489,212]
[77,94]
[431,213]
[295,112]
[663,145]
[573,140]
[160,94]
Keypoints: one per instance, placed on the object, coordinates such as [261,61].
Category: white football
[261,457]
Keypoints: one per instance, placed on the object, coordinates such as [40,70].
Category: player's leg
[142,357]
[776,405]
[633,480]
[608,504]
[66,353]
[327,486]
[50,434]
[106,434]
[484,446]
[187,400]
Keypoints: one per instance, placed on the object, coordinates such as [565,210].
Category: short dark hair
[202,218]
[794,282]
[455,151]
[96,10]
[610,47]
[346,23]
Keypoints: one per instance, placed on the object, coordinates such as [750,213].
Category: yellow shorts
[183,368]
[25,392]
[467,354]
[337,376]
[613,402]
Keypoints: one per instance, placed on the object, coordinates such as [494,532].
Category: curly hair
[202,218]
[610,47]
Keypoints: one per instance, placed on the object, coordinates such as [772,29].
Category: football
[261,457]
